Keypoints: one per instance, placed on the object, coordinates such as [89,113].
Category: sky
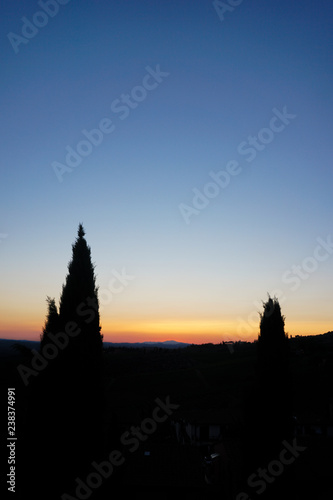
[192,140]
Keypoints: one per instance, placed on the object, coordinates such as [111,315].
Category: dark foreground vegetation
[213,387]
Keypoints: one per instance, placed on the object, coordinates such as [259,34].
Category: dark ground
[209,383]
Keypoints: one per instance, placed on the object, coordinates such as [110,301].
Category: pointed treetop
[272,310]
[80,232]
[272,322]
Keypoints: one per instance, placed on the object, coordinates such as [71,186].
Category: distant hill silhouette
[9,347]
[168,344]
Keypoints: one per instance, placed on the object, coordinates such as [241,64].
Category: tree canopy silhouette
[268,406]
[52,323]
[63,410]
[272,340]
[79,304]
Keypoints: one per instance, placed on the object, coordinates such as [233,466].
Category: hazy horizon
[116,340]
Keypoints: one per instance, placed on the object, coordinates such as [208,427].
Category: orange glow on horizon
[197,331]
[159,330]
[182,330]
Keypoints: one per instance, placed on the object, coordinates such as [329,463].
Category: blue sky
[199,280]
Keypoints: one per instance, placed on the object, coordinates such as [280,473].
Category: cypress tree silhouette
[52,323]
[268,409]
[79,304]
[274,375]
[273,353]
[66,398]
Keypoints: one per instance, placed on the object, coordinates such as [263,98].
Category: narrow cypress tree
[52,323]
[274,382]
[273,354]
[268,404]
[66,398]
[81,360]
[78,310]
[79,304]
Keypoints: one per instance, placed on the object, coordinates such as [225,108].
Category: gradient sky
[223,75]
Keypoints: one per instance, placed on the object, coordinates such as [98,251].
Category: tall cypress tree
[79,304]
[79,307]
[267,405]
[81,366]
[52,323]
[274,382]
[66,398]
[273,356]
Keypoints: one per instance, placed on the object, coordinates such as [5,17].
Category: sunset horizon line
[133,339]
